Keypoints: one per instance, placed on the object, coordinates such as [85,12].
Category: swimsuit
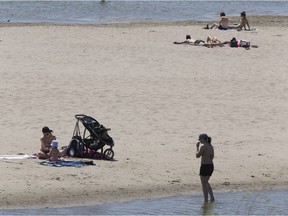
[222,28]
[206,169]
[45,151]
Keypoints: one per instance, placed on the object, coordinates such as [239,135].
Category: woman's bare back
[208,154]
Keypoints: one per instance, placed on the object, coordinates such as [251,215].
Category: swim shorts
[222,28]
[206,169]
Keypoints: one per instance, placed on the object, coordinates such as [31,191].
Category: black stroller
[91,144]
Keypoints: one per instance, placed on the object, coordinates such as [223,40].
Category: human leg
[42,155]
[204,182]
[63,152]
[210,190]
[206,171]
[214,25]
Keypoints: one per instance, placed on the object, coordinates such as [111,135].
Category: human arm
[43,147]
[212,155]
[199,150]
[247,23]
[50,152]
[46,142]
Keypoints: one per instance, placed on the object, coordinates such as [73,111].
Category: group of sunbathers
[224,23]
[210,42]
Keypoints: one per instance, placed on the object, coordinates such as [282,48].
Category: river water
[268,202]
[97,12]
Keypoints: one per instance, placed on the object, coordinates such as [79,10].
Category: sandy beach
[157,97]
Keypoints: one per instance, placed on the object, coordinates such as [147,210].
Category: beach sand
[157,97]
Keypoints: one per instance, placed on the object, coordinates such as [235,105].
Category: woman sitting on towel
[46,142]
[223,23]
[243,23]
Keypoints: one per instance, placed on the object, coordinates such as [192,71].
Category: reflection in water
[207,208]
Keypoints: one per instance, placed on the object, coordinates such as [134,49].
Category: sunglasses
[47,134]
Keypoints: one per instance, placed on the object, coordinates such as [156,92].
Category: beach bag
[233,42]
[76,147]
[239,43]
[244,43]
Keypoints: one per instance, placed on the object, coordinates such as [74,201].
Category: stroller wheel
[108,154]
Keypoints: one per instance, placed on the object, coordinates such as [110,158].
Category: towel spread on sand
[66,163]
[229,29]
[16,157]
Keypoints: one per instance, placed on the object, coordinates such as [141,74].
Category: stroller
[91,144]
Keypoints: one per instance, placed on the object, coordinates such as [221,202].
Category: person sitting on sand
[46,141]
[223,23]
[243,22]
[54,154]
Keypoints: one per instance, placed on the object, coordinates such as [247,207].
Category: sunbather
[223,23]
[46,141]
[190,41]
[243,23]
[54,153]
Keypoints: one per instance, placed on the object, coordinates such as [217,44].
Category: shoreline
[156,96]
[187,204]
[146,197]
[108,196]
[259,21]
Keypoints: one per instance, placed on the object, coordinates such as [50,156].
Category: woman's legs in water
[210,191]
[206,187]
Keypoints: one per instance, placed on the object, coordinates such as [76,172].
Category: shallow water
[270,202]
[95,12]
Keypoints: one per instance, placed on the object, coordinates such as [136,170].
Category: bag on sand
[239,43]
[233,42]
[244,43]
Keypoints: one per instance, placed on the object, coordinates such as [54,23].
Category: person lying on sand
[210,42]
[214,42]
[189,41]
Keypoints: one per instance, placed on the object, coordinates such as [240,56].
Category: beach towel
[78,163]
[17,157]
[230,29]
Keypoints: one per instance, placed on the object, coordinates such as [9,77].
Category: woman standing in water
[205,150]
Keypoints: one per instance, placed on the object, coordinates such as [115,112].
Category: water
[95,12]
[270,202]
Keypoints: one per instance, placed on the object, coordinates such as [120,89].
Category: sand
[157,97]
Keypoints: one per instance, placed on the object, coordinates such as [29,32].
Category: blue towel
[66,163]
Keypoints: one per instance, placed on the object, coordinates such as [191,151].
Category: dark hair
[205,137]
[46,130]
[243,14]
[222,14]
[188,37]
